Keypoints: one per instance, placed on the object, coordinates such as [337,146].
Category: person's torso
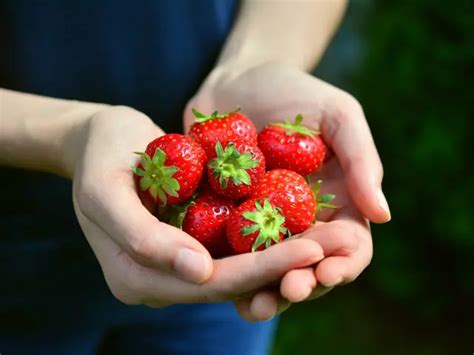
[151,55]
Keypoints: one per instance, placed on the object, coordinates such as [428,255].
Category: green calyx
[268,221]
[323,201]
[297,128]
[175,214]
[157,177]
[231,164]
[201,117]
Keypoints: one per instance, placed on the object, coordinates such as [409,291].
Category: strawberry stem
[268,222]
[156,177]
[231,164]
[297,128]
[322,201]
[201,117]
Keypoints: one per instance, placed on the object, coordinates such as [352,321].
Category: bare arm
[35,131]
[291,32]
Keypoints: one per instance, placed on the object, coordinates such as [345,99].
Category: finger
[233,277]
[297,285]
[337,270]
[248,272]
[243,309]
[271,301]
[264,305]
[347,133]
[335,238]
[117,209]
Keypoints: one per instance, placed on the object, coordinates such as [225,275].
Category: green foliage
[415,84]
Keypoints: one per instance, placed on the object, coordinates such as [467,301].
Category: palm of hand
[139,255]
[273,92]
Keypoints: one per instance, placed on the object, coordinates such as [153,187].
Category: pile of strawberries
[231,189]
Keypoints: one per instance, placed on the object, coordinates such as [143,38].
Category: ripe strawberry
[234,172]
[171,168]
[255,225]
[290,192]
[228,127]
[147,200]
[205,220]
[292,146]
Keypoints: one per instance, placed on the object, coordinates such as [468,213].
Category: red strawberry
[292,146]
[234,172]
[205,220]
[224,128]
[290,192]
[171,168]
[255,225]
[147,200]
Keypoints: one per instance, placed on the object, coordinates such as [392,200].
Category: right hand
[145,261]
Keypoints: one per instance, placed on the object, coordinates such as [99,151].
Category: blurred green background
[411,65]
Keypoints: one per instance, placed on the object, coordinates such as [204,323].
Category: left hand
[273,92]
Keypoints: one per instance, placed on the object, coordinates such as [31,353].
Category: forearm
[291,32]
[36,132]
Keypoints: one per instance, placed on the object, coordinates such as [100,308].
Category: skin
[141,258]
[144,260]
[344,235]
[270,86]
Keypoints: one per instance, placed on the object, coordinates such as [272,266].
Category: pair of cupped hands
[148,262]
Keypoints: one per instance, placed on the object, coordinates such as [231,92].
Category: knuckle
[85,195]
[140,249]
[347,106]
[349,243]
[379,169]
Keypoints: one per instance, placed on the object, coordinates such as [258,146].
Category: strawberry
[171,168]
[147,200]
[290,192]
[234,171]
[228,127]
[205,220]
[292,146]
[254,225]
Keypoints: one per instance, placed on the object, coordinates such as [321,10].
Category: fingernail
[384,205]
[191,266]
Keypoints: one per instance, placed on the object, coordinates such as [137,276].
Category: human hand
[143,260]
[273,92]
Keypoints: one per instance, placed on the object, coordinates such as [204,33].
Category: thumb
[348,134]
[118,210]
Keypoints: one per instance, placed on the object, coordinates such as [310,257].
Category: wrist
[37,132]
[73,137]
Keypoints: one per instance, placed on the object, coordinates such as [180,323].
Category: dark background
[411,64]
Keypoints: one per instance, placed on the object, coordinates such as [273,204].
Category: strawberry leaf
[267,221]
[201,117]
[297,128]
[231,164]
[326,198]
[156,177]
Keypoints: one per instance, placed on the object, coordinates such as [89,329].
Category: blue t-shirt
[151,55]
[148,54]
